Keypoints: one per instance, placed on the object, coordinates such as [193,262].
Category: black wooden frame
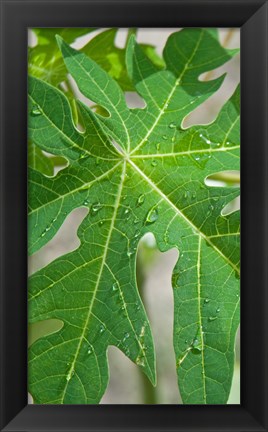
[16,17]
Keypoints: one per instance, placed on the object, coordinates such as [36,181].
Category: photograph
[133,187]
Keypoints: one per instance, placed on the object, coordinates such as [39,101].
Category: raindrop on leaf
[115,286]
[140,200]
[36,111]
[95,208]
[152,215]
[102,329]
[212,318]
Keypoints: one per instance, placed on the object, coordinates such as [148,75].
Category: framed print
[120,147]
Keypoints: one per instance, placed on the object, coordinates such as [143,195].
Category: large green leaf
[137,171]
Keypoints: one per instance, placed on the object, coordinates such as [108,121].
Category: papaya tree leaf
[137,171]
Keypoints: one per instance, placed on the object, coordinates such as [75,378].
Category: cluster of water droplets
[119,298]
[215,315]
[140,360]
[208,141]
[189,195]
[48,227]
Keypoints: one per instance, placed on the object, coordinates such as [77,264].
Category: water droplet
[70,375]
[140,361]
[210,210]
[202,159]
[218,310]
[172,125]
[102,328]
[95,208]
[193,195]
[123,309]
[115,286]
[195,342]
[166,105]
[154,163]
[140,200]
[228,143]
[137,233]
[212,318]
[207,141]
[196,346]
[124,197]
[36,111]
[137,306]
[164,137]
[89,351]
[86,202]
[101,223]
[126,336]
[131,251]
[152,215]
[127,213]
[206,301]
[186,194]
[136,220]
[186,341]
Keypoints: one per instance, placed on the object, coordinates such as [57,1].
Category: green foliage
[137,171]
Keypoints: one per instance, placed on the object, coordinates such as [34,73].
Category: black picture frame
[16,17]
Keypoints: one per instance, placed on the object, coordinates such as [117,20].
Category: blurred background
[128,385]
